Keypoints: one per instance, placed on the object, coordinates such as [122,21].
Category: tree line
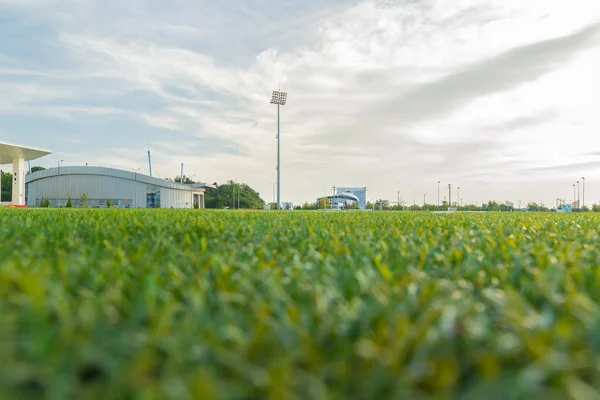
[491,205]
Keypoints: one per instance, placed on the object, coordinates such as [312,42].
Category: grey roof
[9,152]
[103,171]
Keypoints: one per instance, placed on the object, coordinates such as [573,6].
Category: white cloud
[387,94]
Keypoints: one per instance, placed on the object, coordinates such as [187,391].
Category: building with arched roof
[101,186]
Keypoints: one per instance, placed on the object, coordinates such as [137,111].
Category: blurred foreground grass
[191,304]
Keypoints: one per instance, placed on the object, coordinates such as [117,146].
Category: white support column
[18,186]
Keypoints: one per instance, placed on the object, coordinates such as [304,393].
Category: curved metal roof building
[101,185]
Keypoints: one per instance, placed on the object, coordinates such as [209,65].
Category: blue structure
[359,192]
[341,201]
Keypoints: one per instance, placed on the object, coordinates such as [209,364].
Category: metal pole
[458,195]
[449,195]
[181,175]
[578,198]
[438,195]
[239,190]
[273,184]
[278,161]
[149,163]
[583,190]
[574,197]
[424,194]
[59,182]
[232,195]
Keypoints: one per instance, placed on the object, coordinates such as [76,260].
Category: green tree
[45,203]
[309,206]
[382,204]
[493,206]
[6,186]
[36,169]
[324,203]
[186,180]
[222,196]
[83,199]
[69,203]
[596,208]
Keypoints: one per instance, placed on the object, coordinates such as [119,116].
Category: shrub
[83,200]
[69,203]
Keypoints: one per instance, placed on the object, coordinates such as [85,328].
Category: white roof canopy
[10,152]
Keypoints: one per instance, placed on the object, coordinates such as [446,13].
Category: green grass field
[192,304]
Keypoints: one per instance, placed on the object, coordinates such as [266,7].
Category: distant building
[339,202]
[104,186]
[359,192]
[565,207]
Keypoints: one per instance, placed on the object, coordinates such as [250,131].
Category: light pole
[574,196]
[424,194]
[583,179]
[273,183]
[135,171]
[578,198]
[239,191]
[449,195]
[399,200]
[233,193]
[438,195]
[458,195]
[59,185]
[278,98]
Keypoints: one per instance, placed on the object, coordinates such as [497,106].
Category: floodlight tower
[583,178]
[278,98]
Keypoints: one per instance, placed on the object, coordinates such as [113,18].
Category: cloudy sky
[499,97]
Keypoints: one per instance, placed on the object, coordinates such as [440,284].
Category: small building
[102,186]
[359,192]
[340,201]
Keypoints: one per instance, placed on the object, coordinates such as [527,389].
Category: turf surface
[193,304]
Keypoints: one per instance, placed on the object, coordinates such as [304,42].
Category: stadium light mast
[59,186]
[438,195]
[449,195]
[583,179]
[278,98]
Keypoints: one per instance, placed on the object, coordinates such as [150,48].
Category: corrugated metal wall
[101,184]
